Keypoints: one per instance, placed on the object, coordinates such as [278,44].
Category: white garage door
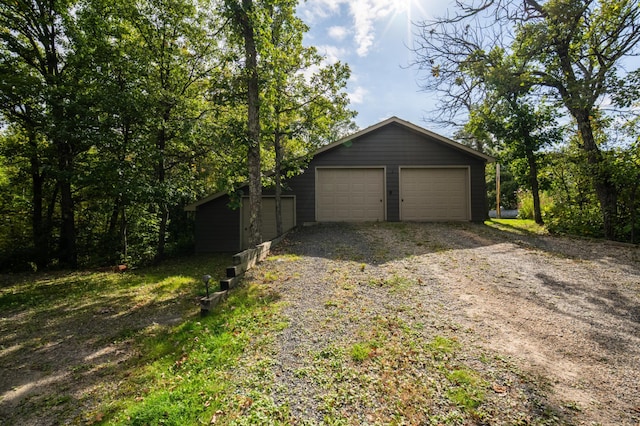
[269,229]
[434,194]
[350,195]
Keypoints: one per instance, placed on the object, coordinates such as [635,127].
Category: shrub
[525,204]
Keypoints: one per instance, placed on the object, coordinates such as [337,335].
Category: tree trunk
[163,210]
[253,102]
[68,255]
[123,235]
[601,174]
[277,143]
[113,236]
[634,210]
[162,232]
[39,235]
[533,182]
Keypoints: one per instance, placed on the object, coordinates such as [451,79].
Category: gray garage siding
[217,226]
[391,146]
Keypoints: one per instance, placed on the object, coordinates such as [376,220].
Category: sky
[374,38]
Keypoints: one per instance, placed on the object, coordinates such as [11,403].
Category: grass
[517,226]
[133,344]
[189,372]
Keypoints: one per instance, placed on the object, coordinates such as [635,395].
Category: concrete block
[208,303]
[229,283]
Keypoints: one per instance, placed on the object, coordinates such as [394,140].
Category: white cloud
[332,54]
[365,13]
[357,95]
[315,10]
[338,33]
[366,16]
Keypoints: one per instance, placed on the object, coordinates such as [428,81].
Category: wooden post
[498,214]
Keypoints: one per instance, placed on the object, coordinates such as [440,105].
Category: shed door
[269,217]
[350,195]
[434,194]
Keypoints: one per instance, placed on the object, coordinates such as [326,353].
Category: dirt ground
[564,310]
[567,309]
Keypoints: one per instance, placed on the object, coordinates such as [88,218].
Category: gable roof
[417,129]
[393,120]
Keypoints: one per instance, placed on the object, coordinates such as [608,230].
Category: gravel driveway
[384,320]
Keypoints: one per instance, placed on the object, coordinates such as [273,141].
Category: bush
[525,204]
[575,219]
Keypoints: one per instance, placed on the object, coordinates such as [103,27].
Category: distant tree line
[116,114]
[551,89]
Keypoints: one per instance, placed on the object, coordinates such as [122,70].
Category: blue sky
[374,38]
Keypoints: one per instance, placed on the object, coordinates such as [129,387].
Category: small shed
[392,171]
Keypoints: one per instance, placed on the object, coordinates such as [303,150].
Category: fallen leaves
[499,388]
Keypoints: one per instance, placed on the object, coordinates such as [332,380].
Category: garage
[391,171]
[350,194]
[434,194]
[269,229]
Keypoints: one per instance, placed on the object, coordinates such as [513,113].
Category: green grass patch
[361,351]
[186,375]
[394,283]
[287,257]
[468,391]
[442,347]
[517,226]
[146,319]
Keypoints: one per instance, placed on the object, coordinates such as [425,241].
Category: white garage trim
[436,193]
[350,194]
[269,229]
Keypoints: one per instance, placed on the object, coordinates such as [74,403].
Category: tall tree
[20,102]
[179,51]
[37,36]
[574,48]
[304,100]
[509,113]
[246,19]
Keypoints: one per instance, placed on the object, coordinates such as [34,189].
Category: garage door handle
[402,200]
[380,200]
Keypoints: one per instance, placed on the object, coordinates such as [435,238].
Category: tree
[509,115]
[37,38]
[179,61]
[301,106]
[573,47]
[20,99]
[245,18]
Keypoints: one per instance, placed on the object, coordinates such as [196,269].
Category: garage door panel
[345,195]
[269,228]
[434,194]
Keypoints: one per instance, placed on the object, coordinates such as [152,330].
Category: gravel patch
[550,325]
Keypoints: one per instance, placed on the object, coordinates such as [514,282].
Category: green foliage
[531,62]
[517,226]
[360,352]
[525,204]
[571,204]
[467,390]
[131,112]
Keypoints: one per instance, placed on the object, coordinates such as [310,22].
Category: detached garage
[392,171]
